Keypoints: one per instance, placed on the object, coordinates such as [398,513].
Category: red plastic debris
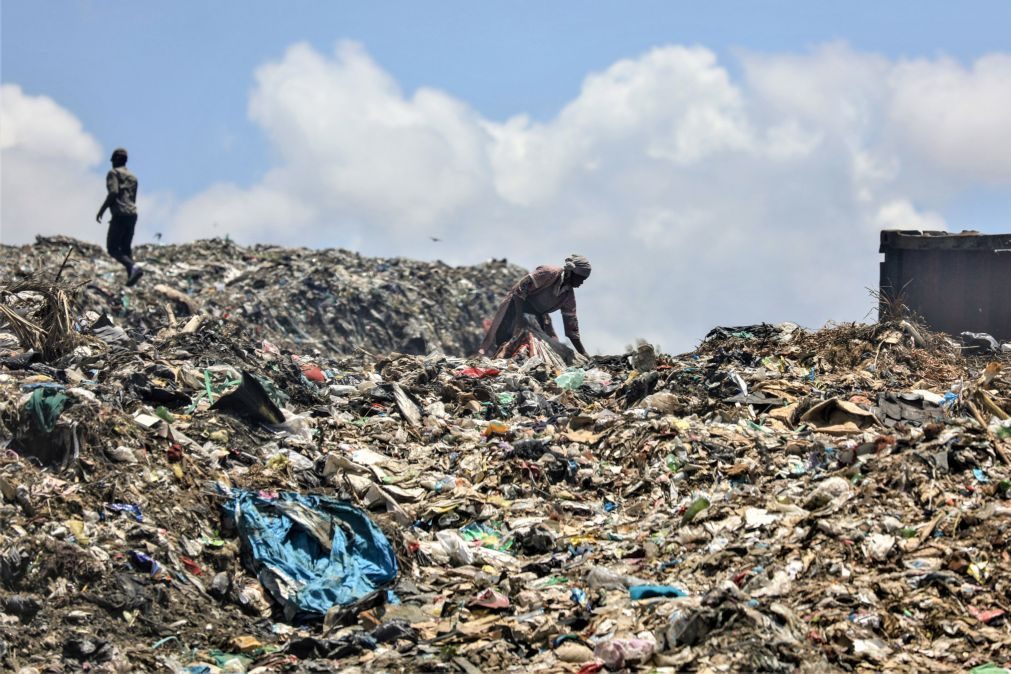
[985,616]
[477,372]
[313,373]
[174,453]
[191,565]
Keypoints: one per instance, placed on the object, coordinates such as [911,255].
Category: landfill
[333,300]
[221,480]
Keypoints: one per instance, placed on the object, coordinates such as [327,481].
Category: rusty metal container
[956,282]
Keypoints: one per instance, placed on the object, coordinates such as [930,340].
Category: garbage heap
[330,300]
[778,500]
[530,341]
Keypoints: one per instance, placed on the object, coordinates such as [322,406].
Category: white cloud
[257,213]
[46,183]
[673,107]
[833,89]
[955,117]
[36,124]
[354,146]
[900,214]
[702,199]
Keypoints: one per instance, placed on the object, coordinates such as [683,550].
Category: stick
[993,438]
[67,257]
[925,534]
[992,406]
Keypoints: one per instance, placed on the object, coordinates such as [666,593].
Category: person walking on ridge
[121,201]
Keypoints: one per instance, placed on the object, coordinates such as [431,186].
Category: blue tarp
[311,552]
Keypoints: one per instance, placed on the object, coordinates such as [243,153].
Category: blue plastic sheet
[311,552]
[649,591]
[126,508]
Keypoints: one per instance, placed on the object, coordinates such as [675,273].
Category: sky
[720,163]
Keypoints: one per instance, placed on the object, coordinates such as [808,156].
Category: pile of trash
[208,500]
[330,300]
[530,341]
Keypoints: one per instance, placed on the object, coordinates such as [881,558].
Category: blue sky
[721,162]
[171,79]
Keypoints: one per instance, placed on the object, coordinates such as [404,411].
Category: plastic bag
[457,548]
[571,379]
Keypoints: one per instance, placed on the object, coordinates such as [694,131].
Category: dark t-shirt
[122,185]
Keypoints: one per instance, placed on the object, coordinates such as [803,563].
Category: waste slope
[777,500]
[331,301]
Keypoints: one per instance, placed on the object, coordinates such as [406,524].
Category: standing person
[547,289]
[122,202]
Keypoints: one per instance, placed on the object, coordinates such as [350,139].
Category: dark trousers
[120,239]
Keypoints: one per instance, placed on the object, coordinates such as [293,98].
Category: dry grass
[41,314]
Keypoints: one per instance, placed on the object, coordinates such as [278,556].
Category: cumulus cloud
[47,184]
[702,198]
[356,148]
[956,117]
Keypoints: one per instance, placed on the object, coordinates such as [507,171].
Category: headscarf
[577,264]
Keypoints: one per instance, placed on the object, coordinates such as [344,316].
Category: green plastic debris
[207,384]
[697,506]
[222,659]
[45,406]
[164,414]
[777,364]
[279,397]
[489,536]
[989,668]
[571,379]
[1004,488]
